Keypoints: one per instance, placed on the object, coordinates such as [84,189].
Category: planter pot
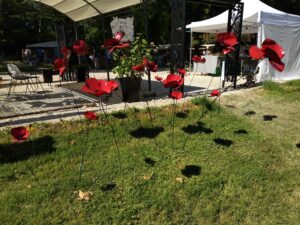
[81,74]
[47,75]
[131,88]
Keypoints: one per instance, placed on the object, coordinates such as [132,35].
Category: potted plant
[130,67]
[48,72]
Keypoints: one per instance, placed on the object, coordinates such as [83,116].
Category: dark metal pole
[147,38]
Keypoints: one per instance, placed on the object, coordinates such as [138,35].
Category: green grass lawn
[235,169]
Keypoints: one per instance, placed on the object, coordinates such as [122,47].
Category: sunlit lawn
[235,168]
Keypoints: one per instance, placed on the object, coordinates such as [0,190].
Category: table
[208,67]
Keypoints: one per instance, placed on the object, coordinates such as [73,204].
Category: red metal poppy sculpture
[146,65]
[91,115]
[269,50]
[215,93]
[176,95]
[182,72]
[59,64]
[115,43]
[198,59]
[99,87]
[81,47]
[227,41]
[174,81]
[20,134]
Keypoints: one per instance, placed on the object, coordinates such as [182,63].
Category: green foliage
[289,90]
[125,58]
[206,103]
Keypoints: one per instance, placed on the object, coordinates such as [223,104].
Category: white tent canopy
[251,16]
[267,22]
[82,9]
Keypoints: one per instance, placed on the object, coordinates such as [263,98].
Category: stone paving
[59,102]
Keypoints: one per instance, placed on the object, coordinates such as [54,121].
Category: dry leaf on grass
[84,195]
[146,177]
[179,179]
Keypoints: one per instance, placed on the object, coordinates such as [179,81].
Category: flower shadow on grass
[191,170]
[269,117]
[14,152]
[223,142]
[145,132]
[198,128]
[119,115]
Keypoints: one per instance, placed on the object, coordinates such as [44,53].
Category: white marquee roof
[251,17]
[82,9]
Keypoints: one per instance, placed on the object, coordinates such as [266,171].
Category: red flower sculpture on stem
[59,64]
[215,93]
[99,87]
[80,47]
[176,95]
[198,59]
[270,50]
[20,134]
[227,41]
[114,43]
[148,65]
[91,115]
[172,81]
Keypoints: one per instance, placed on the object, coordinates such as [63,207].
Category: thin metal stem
[113,133]
[173,121]
[203,112]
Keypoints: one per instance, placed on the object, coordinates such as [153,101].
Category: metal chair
[17,75]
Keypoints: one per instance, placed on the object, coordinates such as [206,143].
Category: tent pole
[191,49]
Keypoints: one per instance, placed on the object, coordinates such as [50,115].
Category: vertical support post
[235,23]
[178,36]
[147,38]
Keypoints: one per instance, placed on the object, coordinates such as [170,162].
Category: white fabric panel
[288,37]
[79,10]
[280,19]
[50,2]
[208,67]
[108,5]
[69,5]
[82,13]
[252,9]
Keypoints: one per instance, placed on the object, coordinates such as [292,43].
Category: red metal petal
[110,43]
[229,39]
[270,44]
[139,68]
[20,133]
[80,47]
[172,81]
[114,84]
[58,63]
[215,93]
[152,66]
[196,59]
[119,35]
[274,59]
[256,53]
[106,87]
[182,71]
[92,86]
[176,95]
[158,78]
[91,115]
